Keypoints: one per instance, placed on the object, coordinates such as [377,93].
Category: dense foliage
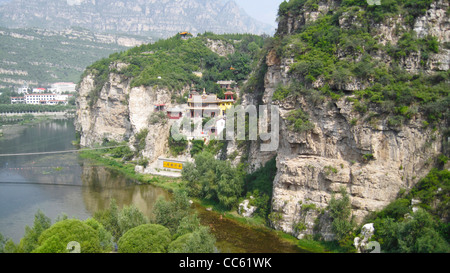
[171,220]
[198,241]
[170,63]
[174,228]
[434,193]
[259,185]
[399,229]
[171,213]
[58,236]
[298,121]
[119,221]
[33,108]
[214,180]
[219,182]
[177,147]
[149,238]
[188,235]
[342,223]
[43,237]
[29,241]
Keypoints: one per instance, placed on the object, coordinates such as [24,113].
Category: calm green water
[65,184]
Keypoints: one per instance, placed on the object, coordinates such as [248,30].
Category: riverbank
[128,169]
[212,214]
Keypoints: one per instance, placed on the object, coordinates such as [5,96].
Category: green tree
[197,147]
[434,192]
[342,223]
[259,184]
[418,235]
[30,240]
[11,247]
[104,236]
[130,217]
[187,225]
[56,238]
[118,221]
[190,175]
[397,209]
[148,238]
[2,243]
[199,241]
[109,218]
[170,213]
[214,180]
[230,184]
[177,147]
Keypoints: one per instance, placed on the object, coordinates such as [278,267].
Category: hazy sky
[262,10]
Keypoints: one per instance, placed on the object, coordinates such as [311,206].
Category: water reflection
[60,183]
[233,237]
[65,183]
[101,185]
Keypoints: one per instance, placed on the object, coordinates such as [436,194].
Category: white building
[61,87]
[38,90]
[39,98]
[17,100]
[63,99]
[24,89]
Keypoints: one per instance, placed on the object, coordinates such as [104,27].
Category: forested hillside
[170,63]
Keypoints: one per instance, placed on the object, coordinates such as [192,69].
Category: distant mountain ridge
[53,56]
[157,19]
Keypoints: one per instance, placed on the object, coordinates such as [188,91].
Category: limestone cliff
[120,112]
[362,152]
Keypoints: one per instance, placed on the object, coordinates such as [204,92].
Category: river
[63,183]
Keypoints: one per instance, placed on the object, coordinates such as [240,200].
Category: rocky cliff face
[121,112]
[159,19]
[370,159]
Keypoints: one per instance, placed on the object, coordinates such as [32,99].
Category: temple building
[174,113]
[226,84]
[227,103]
[159,107]
[185,35]
[203,105]
[208,105]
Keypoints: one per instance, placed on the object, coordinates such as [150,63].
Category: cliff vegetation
[342,52]
[170,63]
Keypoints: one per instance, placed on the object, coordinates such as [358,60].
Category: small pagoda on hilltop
[185,35]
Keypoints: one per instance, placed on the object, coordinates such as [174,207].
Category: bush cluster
[174,229]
